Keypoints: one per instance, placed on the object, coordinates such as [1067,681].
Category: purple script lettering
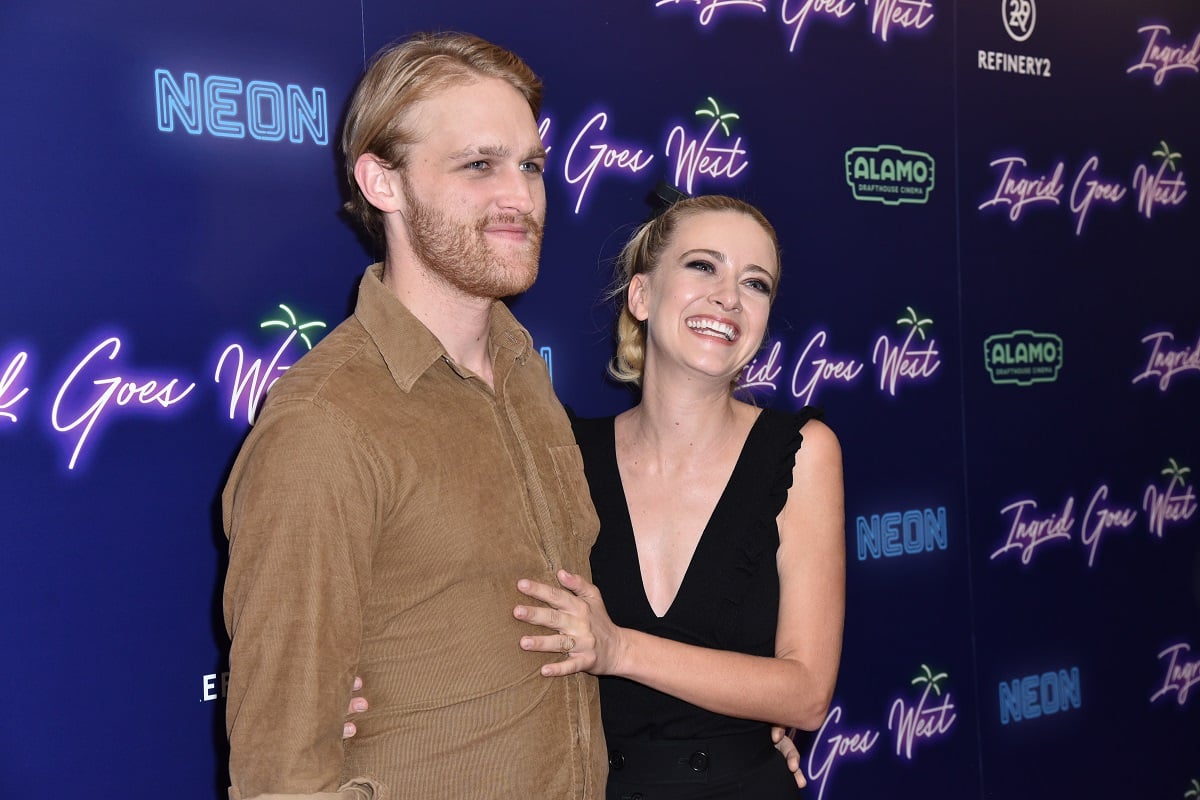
[117,389]
[1027,535]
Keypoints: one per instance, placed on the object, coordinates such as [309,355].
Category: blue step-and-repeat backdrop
[991,284]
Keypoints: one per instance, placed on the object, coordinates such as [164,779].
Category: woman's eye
[759,286]
[701,265]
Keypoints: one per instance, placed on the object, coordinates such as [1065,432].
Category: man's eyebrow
[494,151]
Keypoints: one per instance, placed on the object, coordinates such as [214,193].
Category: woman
[721,548]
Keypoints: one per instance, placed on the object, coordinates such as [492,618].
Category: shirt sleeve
[299,511]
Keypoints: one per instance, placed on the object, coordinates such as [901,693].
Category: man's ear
[379,184]
[637,297]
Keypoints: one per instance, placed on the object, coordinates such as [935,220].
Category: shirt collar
[409,348]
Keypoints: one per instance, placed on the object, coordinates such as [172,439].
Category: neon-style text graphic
[762,376]
[905,360]
[101,394]
[1099,519]
[1164,505]
[10,395]
[1090,188]
[709,7]
[1163,57]
[226,107]
[894,534]
[887,17]
[599,155]
[1017,190]
[830,746]
[903,14]
[1165,362]
[250,382]
[925,720]
[703,155]
[1156,188]
[809,375]
[1181,675]
[1034,696]
[1174,504]
[796,19]
[1027,531]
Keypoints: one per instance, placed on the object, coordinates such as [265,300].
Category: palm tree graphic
[926,676]
[1194,791]
[1176,471]
[716,114]
[915,320]
[293,324]
[1168,157]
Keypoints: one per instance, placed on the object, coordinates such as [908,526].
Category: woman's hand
[787,749]
[357,705]
[586,637]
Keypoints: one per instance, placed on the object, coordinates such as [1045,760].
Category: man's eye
[532,167]
[477,165]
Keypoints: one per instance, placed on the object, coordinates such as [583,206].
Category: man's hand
[359,704]
[787,748]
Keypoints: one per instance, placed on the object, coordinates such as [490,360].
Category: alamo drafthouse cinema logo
[890,175]
[1023,357]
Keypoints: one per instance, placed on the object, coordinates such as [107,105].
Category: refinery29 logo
[890,175]
[1023,357]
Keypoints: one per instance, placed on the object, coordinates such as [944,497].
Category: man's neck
[460,321]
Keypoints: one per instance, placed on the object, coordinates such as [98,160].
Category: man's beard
[459,253]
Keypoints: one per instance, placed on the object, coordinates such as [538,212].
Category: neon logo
[92,400]
[1020,17]
[1193,790]
[603,155]
[927,720]
[905,361]
[1023,357]
[823,369]
[1023,699]
[1018,189]
[702,156]
[1164,362]
[251,380]
[1157,189]
[9,394]
[887,16]
[901,534]
[1028,532]
[1163,57]
[830,746]
[547,356]
[1174,504]
[1181,675]
[890,175]
[226,107]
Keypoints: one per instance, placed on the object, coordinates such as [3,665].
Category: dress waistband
[686,760]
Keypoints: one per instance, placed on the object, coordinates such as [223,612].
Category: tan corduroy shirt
[379,516]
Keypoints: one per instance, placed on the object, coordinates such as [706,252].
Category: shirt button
[616,760]
[698,761]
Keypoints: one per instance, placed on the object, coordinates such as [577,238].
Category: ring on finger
[568,644]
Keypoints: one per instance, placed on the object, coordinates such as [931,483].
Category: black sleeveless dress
[660,746]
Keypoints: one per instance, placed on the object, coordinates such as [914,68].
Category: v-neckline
[737,467]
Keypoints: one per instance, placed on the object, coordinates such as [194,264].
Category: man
[407,471]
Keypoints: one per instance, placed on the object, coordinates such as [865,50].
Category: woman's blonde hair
[641,255]
[401,75]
